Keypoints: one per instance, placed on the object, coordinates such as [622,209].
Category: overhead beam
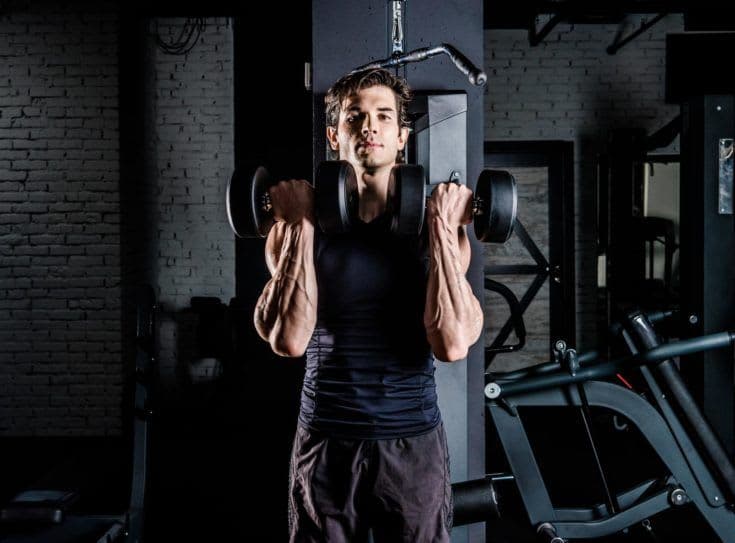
[520,14]
[619,42]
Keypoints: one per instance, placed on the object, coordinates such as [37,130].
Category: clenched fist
[292,201]
[452,202]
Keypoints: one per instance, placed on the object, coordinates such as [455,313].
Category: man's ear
[402,137]
[332,138]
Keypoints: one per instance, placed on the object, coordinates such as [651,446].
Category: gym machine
[705,294]
[707,102]
[696,469]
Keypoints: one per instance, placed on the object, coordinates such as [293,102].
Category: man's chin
[372,163]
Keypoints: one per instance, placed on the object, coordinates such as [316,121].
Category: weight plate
[406,203]
[244,201]
[497,206]
[260,202]
[336,196]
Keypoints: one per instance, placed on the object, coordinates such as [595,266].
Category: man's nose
[367,125]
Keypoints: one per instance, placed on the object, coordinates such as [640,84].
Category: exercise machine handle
[501,386]
[463,64]
[684,347]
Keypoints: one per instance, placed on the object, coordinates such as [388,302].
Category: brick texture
[61,360]
[569,88]
[194,143]
[60,369]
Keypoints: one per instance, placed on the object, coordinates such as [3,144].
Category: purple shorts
[400,488]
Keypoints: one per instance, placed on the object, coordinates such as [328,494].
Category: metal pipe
[463,64]
[689,410]
[536,38]
[615,47]
[478,500]
[558,377]
[688,346]
[585,359]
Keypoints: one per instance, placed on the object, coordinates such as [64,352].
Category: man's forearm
[285,314]
[453,315]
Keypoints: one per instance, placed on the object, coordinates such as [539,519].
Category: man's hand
[292,201]
[452,203]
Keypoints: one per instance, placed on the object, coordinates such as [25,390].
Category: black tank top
[369,368]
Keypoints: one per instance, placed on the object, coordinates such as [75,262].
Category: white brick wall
[60,369]
[60,209]
[194,141]
[569,88]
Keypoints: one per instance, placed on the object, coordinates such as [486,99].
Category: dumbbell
[249,208]
[494,205]
[336,201]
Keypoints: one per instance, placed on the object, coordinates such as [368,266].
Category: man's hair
[351,84]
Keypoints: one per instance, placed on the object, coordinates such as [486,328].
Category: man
[368,308]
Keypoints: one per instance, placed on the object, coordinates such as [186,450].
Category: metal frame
[620,42]
[521,14]
[664,433]
[706,260]
[686,447]
[558,157]
[535,37]
[618,179]
[540,270]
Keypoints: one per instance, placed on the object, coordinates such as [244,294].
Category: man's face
[367,133]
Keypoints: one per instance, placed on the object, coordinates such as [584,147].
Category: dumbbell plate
[406,203]
[246,207]
[336,196]
[496,213]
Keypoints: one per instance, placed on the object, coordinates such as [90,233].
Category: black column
[350,34]
[272,42]
[708,256]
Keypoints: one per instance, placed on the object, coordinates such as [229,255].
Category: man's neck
[373,190]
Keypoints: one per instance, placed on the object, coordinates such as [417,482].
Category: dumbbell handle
[477,202]
[477,205]
[265,201]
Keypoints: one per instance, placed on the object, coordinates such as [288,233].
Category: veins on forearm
[291,271]
[288,286]
[448,286]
